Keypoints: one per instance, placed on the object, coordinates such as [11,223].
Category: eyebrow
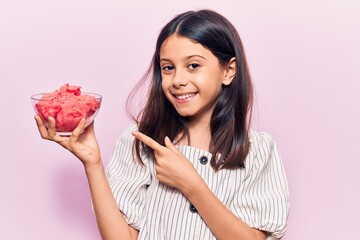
[188,57]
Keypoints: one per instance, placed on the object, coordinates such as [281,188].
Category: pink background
[304,58]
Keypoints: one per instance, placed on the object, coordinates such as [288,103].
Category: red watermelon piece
[67,106]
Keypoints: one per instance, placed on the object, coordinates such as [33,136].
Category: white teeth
[182,97]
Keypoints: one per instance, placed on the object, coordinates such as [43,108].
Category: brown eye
[194,66]
[167,68]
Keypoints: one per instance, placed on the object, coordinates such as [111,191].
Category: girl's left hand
[172,167]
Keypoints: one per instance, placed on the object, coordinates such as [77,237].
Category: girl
[190,168]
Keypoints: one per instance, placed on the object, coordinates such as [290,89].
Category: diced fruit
[67,106]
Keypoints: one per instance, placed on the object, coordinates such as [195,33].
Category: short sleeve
[128,180]
[263,199]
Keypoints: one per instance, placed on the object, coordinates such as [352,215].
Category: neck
[200,135]
[202,127]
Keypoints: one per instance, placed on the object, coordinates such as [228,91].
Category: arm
[180,173]
[110,220]
[82,143]
[222,222]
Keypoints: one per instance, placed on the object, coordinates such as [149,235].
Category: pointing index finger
[147,140]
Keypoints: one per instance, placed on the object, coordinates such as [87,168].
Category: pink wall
[304,57]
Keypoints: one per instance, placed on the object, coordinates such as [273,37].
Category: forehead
[179,46]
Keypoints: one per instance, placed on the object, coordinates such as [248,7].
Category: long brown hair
[230,120]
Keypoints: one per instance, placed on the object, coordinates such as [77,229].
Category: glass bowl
[67,111]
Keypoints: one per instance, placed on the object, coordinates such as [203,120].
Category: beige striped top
[258,193]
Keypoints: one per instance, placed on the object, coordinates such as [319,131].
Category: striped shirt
[257,194]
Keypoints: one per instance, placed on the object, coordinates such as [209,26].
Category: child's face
[191,77]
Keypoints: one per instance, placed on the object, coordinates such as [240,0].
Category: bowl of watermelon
[67,105]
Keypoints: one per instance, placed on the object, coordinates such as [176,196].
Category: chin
[184,114]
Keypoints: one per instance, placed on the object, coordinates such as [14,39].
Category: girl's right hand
[82,142]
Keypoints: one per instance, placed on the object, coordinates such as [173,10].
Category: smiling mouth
[185,96]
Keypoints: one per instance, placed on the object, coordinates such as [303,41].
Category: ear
[229,71]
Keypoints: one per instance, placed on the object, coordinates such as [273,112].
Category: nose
[180,79]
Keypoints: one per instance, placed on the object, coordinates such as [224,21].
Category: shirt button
[203,160]
[192,209]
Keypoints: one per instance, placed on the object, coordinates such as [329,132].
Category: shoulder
[127,132]
[129,129]
[262,146]
[124,149]
[260,140]
[259,137]
[126,138]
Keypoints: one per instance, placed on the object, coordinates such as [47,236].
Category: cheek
[165,82]
[163,85]
[212,88]
[165,88]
